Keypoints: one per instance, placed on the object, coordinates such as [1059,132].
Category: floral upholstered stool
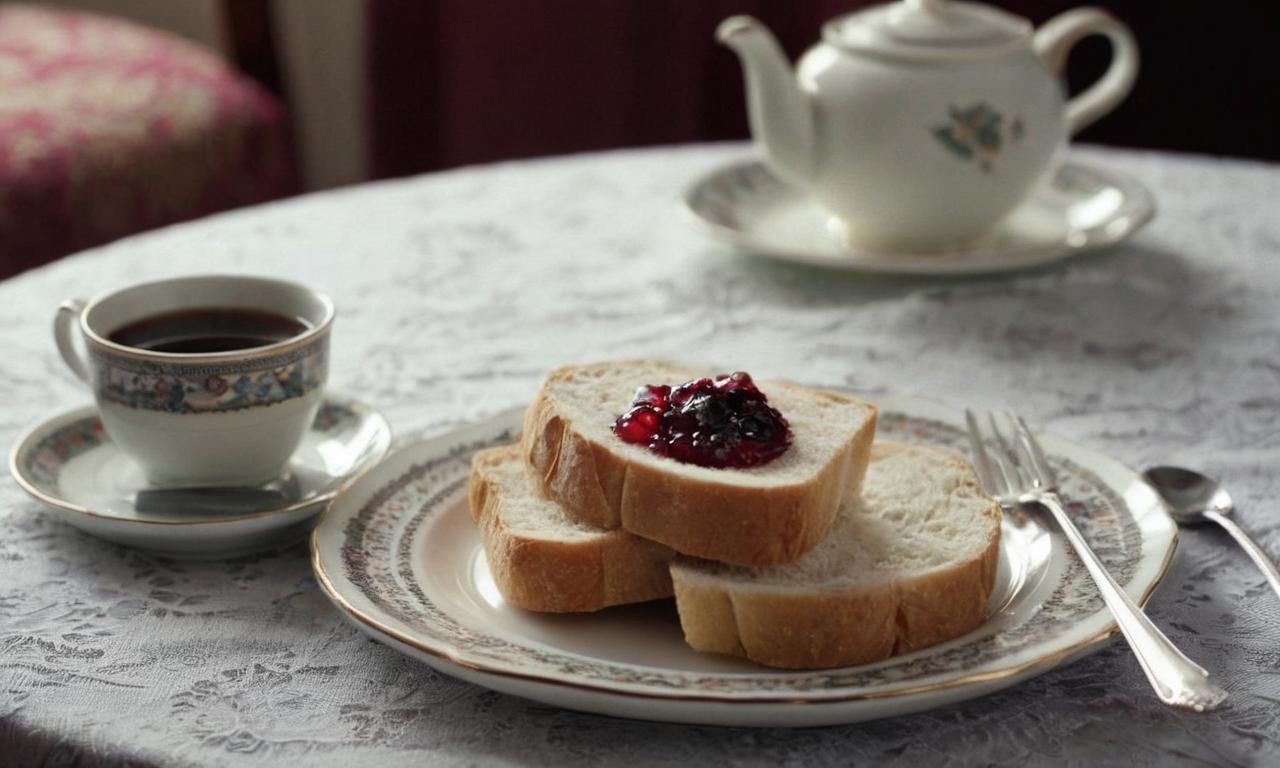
[108,128]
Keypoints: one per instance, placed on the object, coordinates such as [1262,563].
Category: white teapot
[921,124]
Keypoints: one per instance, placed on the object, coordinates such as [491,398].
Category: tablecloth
[458,291]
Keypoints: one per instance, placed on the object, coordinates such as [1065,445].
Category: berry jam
[720,422]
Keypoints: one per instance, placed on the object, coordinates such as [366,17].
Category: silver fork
[1020,475]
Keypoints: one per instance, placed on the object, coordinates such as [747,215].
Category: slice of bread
[543,560]
[910,563]
[762,515]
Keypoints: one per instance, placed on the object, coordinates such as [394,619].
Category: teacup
[230,415]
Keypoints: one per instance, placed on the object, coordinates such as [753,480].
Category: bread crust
[555,576]
[601,486]
[819,628]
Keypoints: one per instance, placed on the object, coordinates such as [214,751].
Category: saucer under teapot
[920,125]
[1082,207]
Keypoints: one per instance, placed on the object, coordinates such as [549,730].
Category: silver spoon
[1194,498]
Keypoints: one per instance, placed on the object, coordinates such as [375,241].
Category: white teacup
[229,417]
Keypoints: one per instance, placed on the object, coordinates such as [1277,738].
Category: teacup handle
[64,326]
[1053,42]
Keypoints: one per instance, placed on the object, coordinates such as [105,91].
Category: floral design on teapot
[978,133]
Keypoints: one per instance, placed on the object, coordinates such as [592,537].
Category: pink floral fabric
[108,128]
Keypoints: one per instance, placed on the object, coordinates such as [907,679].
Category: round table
[458,291]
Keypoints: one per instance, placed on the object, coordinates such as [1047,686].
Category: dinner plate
[1078,208]
[70,463]
[397,553]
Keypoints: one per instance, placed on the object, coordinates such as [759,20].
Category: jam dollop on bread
[718,422]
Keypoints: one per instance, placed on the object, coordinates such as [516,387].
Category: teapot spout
[780,112]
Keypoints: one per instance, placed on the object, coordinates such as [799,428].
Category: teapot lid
[930,29]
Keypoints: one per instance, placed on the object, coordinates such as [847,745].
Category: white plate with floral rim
[1078,208]
[70,463]
[398,554]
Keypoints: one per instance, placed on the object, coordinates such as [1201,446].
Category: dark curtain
[454,82]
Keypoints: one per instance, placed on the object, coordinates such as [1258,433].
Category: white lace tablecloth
[458,291]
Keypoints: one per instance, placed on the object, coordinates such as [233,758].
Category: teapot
[921,124]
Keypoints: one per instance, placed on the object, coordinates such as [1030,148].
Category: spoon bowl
[1189,494]
[1194,498]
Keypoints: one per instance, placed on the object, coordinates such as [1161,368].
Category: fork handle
[1177,680]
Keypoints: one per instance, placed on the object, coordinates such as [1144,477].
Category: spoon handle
[1259,556]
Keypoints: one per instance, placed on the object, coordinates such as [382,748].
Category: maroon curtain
[453,82]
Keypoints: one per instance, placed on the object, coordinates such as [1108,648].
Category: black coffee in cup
[210,329]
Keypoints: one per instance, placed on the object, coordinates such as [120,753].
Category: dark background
[454,82]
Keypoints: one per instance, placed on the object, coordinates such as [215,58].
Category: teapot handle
[1054,40]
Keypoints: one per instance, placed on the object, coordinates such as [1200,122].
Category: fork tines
[1009,460]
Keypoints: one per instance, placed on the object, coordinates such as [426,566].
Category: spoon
[1194,498]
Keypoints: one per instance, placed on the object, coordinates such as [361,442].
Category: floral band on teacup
[234,385]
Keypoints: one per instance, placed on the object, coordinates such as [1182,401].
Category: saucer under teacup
[1080,208]
[70,463]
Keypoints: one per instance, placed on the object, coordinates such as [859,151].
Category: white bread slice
[762,515]
[543,560]
[909,564]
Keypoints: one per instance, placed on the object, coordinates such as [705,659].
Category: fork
[1019,476]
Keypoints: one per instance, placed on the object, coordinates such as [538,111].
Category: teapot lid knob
[928,29]
[928,6]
